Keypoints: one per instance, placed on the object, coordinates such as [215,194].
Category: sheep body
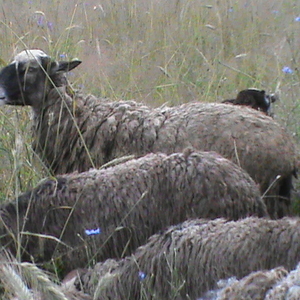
[251,140]
[75,132]
[274,284]
[189,259]
[126,204]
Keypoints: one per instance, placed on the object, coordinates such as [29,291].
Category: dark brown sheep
[73,132]
[189,259]
[254,98]
[95,215]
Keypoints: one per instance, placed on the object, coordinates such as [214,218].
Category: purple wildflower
[50,26]
[92,231]
[142,275]
[40,21]
[297,19]
[287,70]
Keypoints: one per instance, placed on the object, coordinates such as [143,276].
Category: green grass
[153,51]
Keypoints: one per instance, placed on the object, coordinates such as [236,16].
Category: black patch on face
[22,83]
[10,82]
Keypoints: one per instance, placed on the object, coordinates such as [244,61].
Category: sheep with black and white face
[254,98]
[73,132]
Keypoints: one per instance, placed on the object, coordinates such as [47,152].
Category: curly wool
[107,213]
[189,259]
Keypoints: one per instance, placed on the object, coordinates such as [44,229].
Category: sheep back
[189,259]
[126,204]
[113,129]
[274,284]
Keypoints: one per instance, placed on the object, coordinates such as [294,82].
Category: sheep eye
[30,69]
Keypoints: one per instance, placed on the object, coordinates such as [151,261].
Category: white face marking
[29,55]
[2,97]
[267,100]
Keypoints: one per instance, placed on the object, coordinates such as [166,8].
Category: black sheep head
[257,99]
[27,79]
[254,98]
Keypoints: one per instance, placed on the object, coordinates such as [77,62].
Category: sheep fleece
[188,259]
[128,203]
[115,129]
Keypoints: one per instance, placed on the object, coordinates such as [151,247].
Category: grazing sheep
[275,284]
[81,217]
[189,259]
[73,132]
[254,98]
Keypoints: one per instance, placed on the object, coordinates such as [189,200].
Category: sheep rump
[73,132]
[189,259]
[126,203]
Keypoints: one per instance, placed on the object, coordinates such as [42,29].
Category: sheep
[187,260]
[274,284]
[78,218]
[254,98]
[73,132]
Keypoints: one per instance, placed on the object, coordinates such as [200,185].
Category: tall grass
[153,51]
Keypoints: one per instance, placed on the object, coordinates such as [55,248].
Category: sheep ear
[66,66]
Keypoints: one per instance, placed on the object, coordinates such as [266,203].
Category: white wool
[29,55]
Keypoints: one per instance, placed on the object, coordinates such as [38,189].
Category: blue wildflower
[230,9]
[63,55]
[50,26]
[142,275]
[287,70]
[92,231]
[297,19]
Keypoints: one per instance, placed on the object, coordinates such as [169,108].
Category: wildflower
[92,231]
[40,21]
[230,9]
[297,19]
[142,275]
[63,55]
[287,70]
[50,26]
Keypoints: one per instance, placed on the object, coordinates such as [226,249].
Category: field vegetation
[156,51]
[153,51]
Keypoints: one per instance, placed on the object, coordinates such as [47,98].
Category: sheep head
[254,98]
[27,79]
[257,99]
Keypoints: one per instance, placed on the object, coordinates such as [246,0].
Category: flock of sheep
[204,196]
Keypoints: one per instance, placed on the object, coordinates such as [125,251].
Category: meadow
[153,51]
[157,52]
